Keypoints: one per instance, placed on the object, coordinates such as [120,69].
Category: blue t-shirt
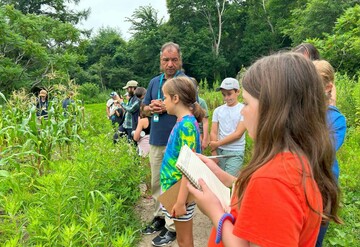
[160,131]
[337,124]
[186,131]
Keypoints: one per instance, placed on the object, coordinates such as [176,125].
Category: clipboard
[169,197]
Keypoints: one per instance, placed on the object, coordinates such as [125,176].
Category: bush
[90,93]
[348,99]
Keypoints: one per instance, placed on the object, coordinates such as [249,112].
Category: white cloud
[112,13]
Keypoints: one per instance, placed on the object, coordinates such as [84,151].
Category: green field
[65,183]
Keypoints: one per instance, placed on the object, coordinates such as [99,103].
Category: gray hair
[172,45]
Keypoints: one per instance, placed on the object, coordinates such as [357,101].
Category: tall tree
[35,50]
[264,23]
[108,61]
[205,19]
[144,47]
[57,9]
[342,46]
[314,18]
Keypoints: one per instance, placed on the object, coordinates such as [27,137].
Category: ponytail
[197,111]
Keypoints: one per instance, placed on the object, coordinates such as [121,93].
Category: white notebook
[194,168]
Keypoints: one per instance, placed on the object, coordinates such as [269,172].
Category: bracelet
[226,216]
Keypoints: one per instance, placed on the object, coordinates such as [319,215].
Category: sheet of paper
[194,169]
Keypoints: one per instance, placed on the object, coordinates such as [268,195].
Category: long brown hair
[292,116]
[184,87]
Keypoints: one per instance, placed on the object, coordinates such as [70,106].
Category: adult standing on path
[132,108]
[161,126]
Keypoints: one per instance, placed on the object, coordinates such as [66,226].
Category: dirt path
[202,225]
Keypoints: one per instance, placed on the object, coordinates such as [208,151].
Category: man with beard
[131,108]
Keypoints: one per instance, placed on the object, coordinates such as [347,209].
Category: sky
[112,13]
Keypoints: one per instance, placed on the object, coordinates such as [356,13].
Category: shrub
[348,98]
[90,93]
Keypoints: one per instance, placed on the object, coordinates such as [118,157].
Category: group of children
[287,190]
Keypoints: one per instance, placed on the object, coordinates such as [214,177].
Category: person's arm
[210,205]
[338,130]
[107,110]
[132,107]
[179,208]
[156,106]
[226,178]
[240,130]
[141,125]
[205,140]
[119,111]
[214,137]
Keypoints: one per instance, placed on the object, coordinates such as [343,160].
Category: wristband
[226,216]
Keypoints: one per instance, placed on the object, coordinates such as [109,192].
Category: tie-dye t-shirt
[186,131]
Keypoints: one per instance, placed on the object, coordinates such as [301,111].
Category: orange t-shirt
[274,211]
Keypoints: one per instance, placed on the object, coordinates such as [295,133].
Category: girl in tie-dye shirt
[180,100]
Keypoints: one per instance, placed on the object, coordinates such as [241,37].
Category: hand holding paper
[194,169]
[207,201]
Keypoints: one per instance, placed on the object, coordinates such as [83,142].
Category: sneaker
[165,237]
[157,224]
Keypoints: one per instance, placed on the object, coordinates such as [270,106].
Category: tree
[264,23]
[144,47]
[201,21]
[314,18]
[57,9]
[342,47]
[108,62]
[35,50]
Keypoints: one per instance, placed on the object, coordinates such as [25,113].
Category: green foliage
[26,137]
[348,158]
[108,61]
[90,93]
[314,19]
[56,9]
[144,47]
[348,98]
[342,46]
[35,50]
[88,196]
[84,199]
[262,35]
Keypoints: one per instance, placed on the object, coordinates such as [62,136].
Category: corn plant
[26,135]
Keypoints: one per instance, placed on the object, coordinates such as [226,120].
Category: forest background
[60,180]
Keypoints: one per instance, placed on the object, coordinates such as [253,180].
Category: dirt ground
[202,225]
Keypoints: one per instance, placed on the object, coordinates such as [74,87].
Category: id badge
[156,118]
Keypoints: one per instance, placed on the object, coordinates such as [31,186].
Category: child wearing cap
[110,106]
[227,136]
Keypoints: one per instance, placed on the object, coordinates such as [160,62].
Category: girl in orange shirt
[287,188]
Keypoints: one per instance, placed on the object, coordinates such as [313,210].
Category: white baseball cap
[229,84]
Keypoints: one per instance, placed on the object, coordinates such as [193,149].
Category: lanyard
[161,82]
